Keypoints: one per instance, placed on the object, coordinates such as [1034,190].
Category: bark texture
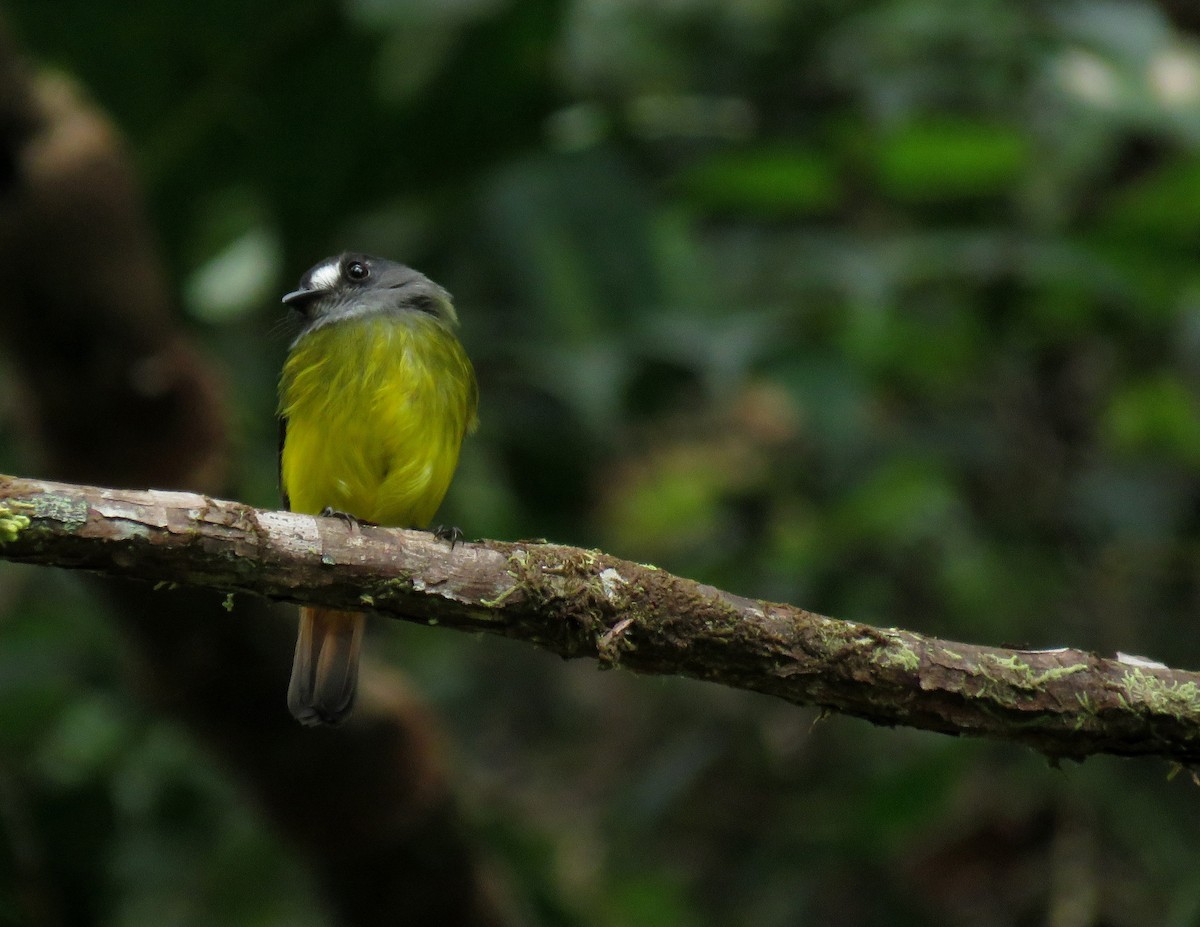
[582,603]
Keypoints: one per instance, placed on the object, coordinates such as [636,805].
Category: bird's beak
[298,298]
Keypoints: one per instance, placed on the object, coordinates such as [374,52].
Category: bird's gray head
[354,285]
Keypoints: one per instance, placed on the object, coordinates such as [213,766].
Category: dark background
[890,310]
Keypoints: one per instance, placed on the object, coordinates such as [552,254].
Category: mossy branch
[580,603]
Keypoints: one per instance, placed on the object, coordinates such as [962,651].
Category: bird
[375,398]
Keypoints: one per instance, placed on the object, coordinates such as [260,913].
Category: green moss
[1020,674]
[546,575]
[11,525]
[1087,711]
[588,592]
[898,653]
[612,643]
[1159,696]
[904,657]
[1058,672]
[838,637]
[402,584]
[1013,664]
[500,599]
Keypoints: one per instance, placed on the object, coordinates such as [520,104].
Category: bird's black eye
[357,270]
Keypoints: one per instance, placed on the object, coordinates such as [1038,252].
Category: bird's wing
[287,503]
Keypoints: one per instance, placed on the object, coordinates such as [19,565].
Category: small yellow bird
[375,399]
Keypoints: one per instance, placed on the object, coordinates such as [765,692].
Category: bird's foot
[453,534]
[353,521]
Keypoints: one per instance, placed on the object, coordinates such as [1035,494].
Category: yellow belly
[376,411]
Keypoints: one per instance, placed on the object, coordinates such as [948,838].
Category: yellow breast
[376,411]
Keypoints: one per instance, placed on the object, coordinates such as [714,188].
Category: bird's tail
[325,669]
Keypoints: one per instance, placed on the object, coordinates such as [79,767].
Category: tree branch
[579,603]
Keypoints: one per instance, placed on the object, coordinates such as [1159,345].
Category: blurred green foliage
[887,308]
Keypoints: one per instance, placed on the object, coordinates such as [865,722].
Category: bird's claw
[353,521]
[452,533]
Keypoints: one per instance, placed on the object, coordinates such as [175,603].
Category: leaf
[1164,205]
[769,181]
[948,158]
[1158,416]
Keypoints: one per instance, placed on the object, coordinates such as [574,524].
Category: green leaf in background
[85,740]
[1164,205]
[905,501]
[1157,416]
[671,503]
[651,900]
[771,181]
[948,158]
[239,279]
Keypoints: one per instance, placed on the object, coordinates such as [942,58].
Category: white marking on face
[326,276]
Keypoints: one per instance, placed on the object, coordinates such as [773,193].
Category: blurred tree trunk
[114,393]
